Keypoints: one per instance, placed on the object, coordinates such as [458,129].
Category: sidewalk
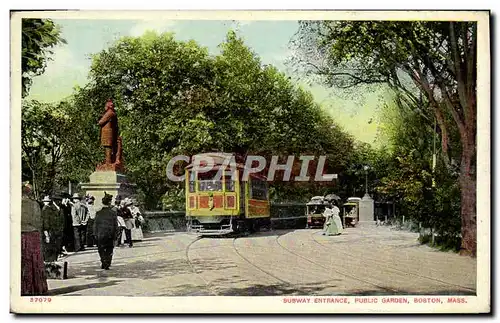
[146,269]
[366,260]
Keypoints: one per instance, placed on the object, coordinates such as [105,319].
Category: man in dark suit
[68,234]
[52,228]
[105,227]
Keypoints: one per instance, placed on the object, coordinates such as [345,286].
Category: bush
[425,238]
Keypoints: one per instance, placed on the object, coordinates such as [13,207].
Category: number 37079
[40,299]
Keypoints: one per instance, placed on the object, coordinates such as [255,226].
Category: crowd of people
[65,224]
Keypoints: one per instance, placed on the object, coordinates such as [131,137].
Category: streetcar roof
[316,203]
[223,159]
[218,158]
[317,200]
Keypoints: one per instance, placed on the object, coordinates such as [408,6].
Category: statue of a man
[109,133]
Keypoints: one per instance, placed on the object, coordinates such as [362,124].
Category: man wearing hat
[90,223]
[129,221]
[57,200]
[68,234]
[121,223]
[105,227]
[52,229]
[79,216]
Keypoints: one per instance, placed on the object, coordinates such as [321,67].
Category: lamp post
[366,205]
[366,168]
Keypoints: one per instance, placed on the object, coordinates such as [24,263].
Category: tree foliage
[173,98]
[39,36]
[431,65]
[42,141]
[427,194]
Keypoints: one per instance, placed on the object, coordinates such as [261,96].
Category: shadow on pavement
[406,293]
[136,245]
[149,235]
[149,239]
[311,290]
[253,290]
[271,233]
[272,290]
[70,289]
[150,269]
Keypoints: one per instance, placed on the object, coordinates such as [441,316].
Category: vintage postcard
[250,162]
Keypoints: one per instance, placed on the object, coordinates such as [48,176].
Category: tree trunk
[34,179]
[34,185]
[468,200]
[444,134]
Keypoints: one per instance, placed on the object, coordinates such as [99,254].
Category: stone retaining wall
[283,216]
[164,221]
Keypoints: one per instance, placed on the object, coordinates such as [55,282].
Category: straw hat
[76,196]
[128,201]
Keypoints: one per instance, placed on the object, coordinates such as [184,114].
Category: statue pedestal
[111,182]
[366,210]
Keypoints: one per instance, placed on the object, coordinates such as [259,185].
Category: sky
[268,39]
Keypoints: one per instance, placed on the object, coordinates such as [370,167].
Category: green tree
[425,193]
[173,98]
[352,178]
[80,143]
[39,36]
[42,129]
[436,60]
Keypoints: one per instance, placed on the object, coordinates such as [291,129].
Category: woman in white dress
[333,224]
[120,236]
[136,221]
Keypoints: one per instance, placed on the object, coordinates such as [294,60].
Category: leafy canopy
[39,37]
[173,98]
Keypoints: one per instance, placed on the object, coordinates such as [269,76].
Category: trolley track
[193,269]
[386,289]
[241,256]
[128,257]
[299,286]
[258,267]
[276,260]
[188,260]
[382,264]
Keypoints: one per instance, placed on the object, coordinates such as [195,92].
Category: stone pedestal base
[110,182]
[366,224]
[366,209]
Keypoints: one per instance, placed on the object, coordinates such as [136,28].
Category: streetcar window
[209,182]
[229,182]
[258,190]
[192,182]
[316,209]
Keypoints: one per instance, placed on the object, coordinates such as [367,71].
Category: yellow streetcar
[314,212]
[218,205]
[351,212]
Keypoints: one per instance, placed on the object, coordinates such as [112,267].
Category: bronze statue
[110,139]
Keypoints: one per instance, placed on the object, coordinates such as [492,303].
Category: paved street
[362,261]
